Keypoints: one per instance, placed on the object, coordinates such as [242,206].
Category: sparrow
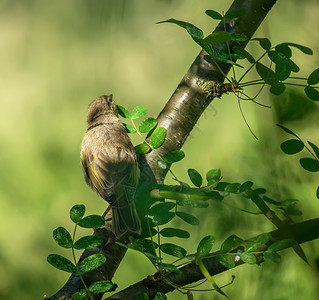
[109,164]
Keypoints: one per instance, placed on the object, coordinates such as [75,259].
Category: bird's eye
[110,98]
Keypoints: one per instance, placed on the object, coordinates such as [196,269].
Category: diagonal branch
[301,232]
[179,117]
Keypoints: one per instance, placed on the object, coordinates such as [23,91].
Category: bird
[110,165]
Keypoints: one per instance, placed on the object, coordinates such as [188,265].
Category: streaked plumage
[110,165]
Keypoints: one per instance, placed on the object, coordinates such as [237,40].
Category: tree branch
[179,116]
[302,232]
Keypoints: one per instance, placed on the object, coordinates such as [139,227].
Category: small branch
[301,232]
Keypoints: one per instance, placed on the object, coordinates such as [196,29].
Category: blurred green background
[57,56]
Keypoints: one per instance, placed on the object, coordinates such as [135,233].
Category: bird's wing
[113,174]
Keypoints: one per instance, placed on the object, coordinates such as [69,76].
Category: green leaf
[193,203]
[257,242]
[317,193]
[293,211]
[277,88]
[142,296]
[163,219]
[61,263]
[224,57]
[173,250]
[158,137]
[142,148]
[217,37]
[289,202]
[231,243]
[102,286]
[92,221]
[167,267]
[214,14]
[235,13]
[284,49]
[213,175]
[174,232]
[266,74]
[195,177]
[246,186]
[147,125]
[77,213]
[205,245]
[243,53]
[161,208]
[146,246]
[293,66]
[138,112]
[263,42]
[309,164]
[248,258]
[174,156]
[226,260]
[88,242]
[62,237]
[292,146]
[193,31]
[287,130]
[312,93]
[313,77]
[273,256]
[304,49]
[281,245]
[314,148]
[238,37]
[188,218]
[160,296]
[129,128]
[79,295]
[92,262]
[123,112]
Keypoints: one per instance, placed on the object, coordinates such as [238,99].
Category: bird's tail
[125,218]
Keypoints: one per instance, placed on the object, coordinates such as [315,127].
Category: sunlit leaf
[103,286]
[214,14]
[193,31]
[77,212]
[248,258]
[138,112]
[217,37]
[88,242]
[123,112]
[142,148]
[292,146]
[92,262]
[231,243]
[226,260]
[129,128]
[309,164]
[174,156]
[238,37]
[147,125]
[257,242]
[312,93]
[61,263]
[158,137]
[92,221]
[313,77]
[173,250]
[205,245]
[62,237]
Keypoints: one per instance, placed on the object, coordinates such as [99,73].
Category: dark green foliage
[292,146]
[205,245]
